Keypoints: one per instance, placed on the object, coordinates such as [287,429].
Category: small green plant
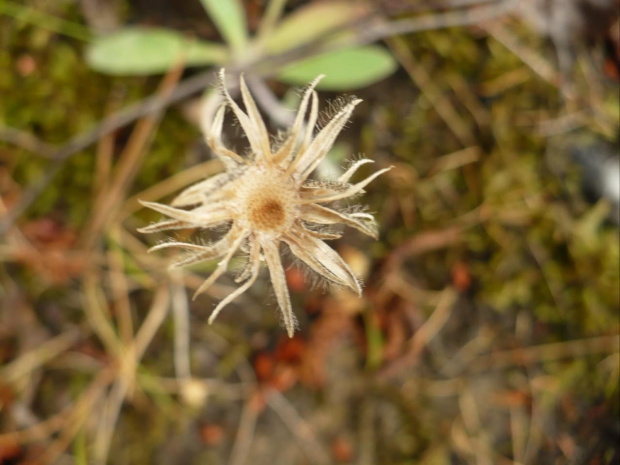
[312,40]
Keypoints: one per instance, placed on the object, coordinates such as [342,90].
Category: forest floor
[488,330]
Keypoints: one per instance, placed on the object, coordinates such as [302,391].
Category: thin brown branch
[26,141]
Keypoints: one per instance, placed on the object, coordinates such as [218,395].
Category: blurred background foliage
[488,332]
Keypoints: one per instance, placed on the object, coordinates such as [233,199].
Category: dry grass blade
[544,352]
[531,58]
[245,432]
[154,319]
[436,96]
[105,153]
[302,431]
[94,304]
[108,202]
[36,358]
[120,287]
[76,418]
[180,312]
[108,418]
[424,334]
[478,445]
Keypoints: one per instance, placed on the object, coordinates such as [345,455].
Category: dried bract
[267,198]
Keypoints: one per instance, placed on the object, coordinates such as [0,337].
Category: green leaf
[344,69]
[229,18]
[140,51]
[309,22]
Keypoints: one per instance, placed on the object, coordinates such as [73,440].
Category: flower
[267,198]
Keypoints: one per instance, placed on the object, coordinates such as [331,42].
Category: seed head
[266,198]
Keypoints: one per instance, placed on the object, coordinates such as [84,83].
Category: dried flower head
[266,198]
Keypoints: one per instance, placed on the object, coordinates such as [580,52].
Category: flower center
[268,201]
[268,214]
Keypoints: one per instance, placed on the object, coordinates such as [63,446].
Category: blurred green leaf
[344,69]
[229,17]
[139,51]
[309,23]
